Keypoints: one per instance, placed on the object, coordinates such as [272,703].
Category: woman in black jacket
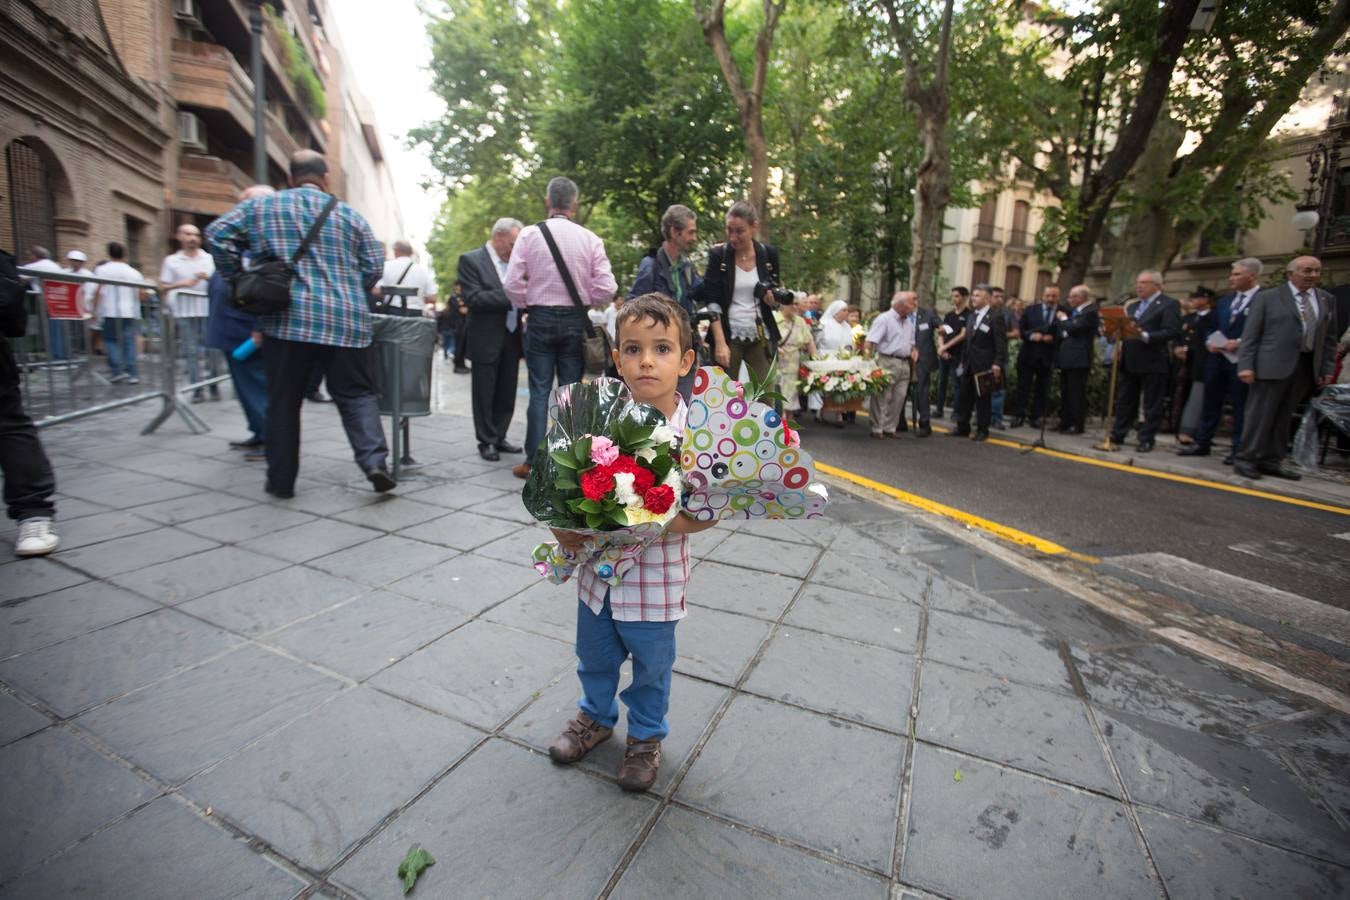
[746,330]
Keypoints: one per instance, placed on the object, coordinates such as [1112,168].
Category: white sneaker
[118,378]
[35,538]
[133,380]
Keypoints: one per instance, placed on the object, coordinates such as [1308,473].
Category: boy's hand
[570,541]
[683,523]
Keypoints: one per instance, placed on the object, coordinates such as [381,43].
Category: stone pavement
[207,693]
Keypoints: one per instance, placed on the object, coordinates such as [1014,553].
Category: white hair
[1251,265]
[505,224]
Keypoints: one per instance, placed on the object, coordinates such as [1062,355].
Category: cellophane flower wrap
[608,468]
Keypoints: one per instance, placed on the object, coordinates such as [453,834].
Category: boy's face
[649,359]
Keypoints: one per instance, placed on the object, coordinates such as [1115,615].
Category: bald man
[891,339]
[405,271]
[1288,347]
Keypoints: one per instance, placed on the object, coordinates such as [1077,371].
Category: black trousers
[922,379]
[983,406]
[1073,399]
[1029,372]
[29,481]
[350,372]
[1270,409]
[947,374]
[493,386]
[1153,387]
[461,340]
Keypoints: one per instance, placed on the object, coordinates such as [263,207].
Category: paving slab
[57,789]
[506,823]
[1318,747]
[101,527]
[895,540]
[311,540]
[378,562]
[762,553]
[132,496]
[737,589]
[174,728]
[18,719]
[716,645]
[517,547]
[467,582]
[178,510]
[952,596]
[882,577]
[998,833]
[1236,787]
[836,676]
[246,523]
[891,622]
[274,600]
[454,495]
[1197,861]
[138,551]
[390,514]
[692,705]
[34,577]
[164,852]
[1028,655]
[1041,731]
[464,530]
[315,787]
[368,634]
[27,624]
[689,855]
[480,674]
[507,506]
[195,576]
[781,531]
[841,797]
[322,499]
[544,608]
[92,668]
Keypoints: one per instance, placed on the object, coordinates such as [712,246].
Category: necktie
[511,314]
[1305,314]
[1240,305]
[1143,308]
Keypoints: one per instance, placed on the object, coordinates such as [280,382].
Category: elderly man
[494,337]
[558,268]
[1073,357]
[1036,357]
[404,271]
[1145,360]
[328,322]
[667,270]
[1288,347]
[1220,374]
[891,338]
[190,269]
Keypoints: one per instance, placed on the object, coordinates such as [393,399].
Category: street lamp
[1323,163]
[255,21]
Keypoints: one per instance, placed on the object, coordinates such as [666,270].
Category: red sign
[63,299]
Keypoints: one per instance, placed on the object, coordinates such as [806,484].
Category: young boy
[637,618]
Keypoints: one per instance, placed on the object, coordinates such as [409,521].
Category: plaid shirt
[328,293]
[652,589]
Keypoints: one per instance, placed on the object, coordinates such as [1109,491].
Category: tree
[749,98]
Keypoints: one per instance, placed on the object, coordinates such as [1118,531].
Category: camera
[779,294]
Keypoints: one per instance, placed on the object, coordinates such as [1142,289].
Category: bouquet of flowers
[842,377]
[608,468]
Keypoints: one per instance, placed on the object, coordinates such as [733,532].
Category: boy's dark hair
[660,309]
[116,250]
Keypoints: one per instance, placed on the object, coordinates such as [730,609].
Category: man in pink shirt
[555,325]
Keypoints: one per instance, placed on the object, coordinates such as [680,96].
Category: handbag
[595,346]
[263,288]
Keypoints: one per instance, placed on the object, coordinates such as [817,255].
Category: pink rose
[739,389]
[603,451]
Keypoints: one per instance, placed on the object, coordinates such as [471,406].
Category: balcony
[208,184]
[986,233]
[1019,239]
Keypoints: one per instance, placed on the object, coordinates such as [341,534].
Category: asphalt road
[1105,513]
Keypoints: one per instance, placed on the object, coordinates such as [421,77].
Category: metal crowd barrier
[59,365]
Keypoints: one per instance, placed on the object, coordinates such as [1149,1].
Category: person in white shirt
[41,258]
[404,271]
[76,262]
[120,309]
[892,339]
[189,269]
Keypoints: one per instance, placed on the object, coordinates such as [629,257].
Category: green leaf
[958,775]
[590,506]
[582,451]
[618,515]
[413,863]
[566,482]
[564,460]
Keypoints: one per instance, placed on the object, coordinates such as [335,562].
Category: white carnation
[623,489]
[663,434]
[647,454]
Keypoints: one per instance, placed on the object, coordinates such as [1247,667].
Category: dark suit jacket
[719,280]
[925,338]
[1033,320]
[1271,339]
[1077,336]
[488,306]
[986,345]
[1162,321]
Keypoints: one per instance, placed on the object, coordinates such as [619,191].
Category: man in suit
[927,323]
[1220,375]
[1073,357]
[1036,357]
[494,341]
[985,349]
[1288,348]
[1145,360]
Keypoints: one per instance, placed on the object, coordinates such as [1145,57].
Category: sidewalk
[209,693]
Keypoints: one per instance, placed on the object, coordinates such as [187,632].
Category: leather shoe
[581,736]
[980,436]
[522,470]
[245,445]
[1193,450]
[279,494]
[958,434]
[461,370]
[1227,460]
[318,397]
[1016,422]
[380,479]
[924,431]
[489,453]
[1280,471]
[1145,447]
[1246,470]
[641,762]
[510,448]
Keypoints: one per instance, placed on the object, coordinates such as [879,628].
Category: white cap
[77,255]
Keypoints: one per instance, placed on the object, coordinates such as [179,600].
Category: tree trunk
[1147,231]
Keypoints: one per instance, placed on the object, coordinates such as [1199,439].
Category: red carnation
[597,482]
[658,499]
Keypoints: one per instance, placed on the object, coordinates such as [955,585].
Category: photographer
[742,277]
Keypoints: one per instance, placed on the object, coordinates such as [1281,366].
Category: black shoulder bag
[263,288]
[595,346]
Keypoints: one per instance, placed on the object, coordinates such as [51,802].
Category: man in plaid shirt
[328,322]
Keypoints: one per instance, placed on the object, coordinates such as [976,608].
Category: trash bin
[1332,405]
[406,348]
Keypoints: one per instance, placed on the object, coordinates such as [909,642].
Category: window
[1043,280]
[1021,216]
[980,273]
[1012,281]
[135,230]
[985,231]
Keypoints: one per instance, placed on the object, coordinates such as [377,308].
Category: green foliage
[299,68]
[414,862]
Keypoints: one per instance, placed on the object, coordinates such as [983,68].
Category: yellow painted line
[1166,476]
[997,529]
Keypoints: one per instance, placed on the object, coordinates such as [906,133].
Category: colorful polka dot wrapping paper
[738,460]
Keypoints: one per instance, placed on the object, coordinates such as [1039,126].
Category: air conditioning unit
[191,132]
[185,9]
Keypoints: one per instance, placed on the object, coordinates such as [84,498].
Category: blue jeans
[996,405]
[602,646]
[119,339]
[552,346]
[57,350]
[250,386]
[448,342]
[191,330]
